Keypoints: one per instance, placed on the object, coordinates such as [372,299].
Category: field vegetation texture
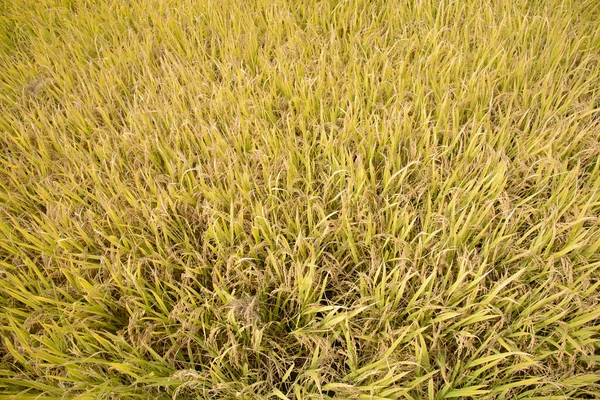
[299,199]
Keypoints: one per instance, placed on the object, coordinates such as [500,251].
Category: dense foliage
[299,199]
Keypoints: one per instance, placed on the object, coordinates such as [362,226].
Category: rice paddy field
[299,199]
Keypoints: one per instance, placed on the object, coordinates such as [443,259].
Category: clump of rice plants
[324,199]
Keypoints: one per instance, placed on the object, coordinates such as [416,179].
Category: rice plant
[299,199]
